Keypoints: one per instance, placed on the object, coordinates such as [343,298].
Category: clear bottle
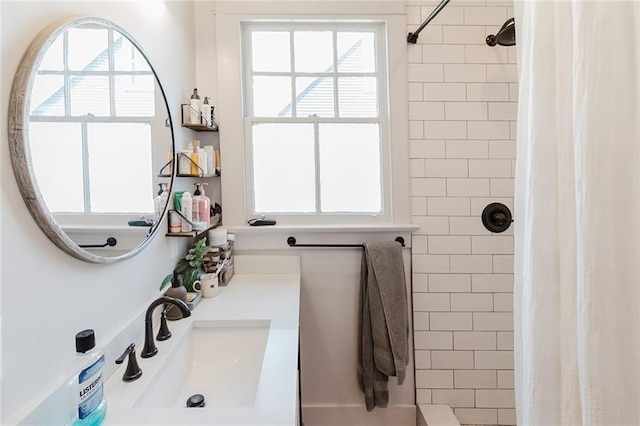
[86,383]
[195,107]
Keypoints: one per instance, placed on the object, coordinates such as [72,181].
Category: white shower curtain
[577,213]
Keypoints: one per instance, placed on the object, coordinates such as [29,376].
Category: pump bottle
[201,205]
[206,112]
[160,201]
[195,106]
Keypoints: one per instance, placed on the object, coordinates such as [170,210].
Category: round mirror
[91,139]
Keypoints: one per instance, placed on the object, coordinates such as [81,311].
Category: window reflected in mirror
[94,95]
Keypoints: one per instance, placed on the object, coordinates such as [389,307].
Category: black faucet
[150,348]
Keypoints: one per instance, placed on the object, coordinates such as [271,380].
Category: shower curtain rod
[413,37]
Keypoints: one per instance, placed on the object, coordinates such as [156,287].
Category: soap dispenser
[195,107]
[201,205]
[206,112]
[177,291]
[160,201]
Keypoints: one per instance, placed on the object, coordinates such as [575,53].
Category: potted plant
[191,268]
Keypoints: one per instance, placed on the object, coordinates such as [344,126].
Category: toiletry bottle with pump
[206,111]
[195,210]
[160,201]
[201,205]
[164,199]
[195,107]
[186,210]
[88,405]
[177,291]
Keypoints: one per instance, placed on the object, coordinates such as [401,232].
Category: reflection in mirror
[94,140]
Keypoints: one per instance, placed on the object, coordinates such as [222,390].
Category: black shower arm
[413,37]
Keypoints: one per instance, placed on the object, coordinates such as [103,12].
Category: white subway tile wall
[462,109]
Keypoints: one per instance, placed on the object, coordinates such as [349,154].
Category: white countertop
[260,295]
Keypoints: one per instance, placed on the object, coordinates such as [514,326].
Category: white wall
[328,327]
[48,296]
[462,112]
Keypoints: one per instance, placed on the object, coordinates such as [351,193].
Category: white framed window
[316,120]
[88,139]
[235,109]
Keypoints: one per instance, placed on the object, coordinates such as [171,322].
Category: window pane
[270,51]
[47,96]
[356,52]
[53,59]
[271,96]
[88,49]
[314,95]
[89,95]
[121,177]
[283,168]
[135,95]
[56,152]
[357,97]
[350,173]
[126,56]
[313,51]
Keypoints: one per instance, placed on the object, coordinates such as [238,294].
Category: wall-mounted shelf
[181,234]
[190,234]
[200,127]
[200,174]
[189,176]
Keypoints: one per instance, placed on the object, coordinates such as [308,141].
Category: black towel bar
[111,241]
[292,243]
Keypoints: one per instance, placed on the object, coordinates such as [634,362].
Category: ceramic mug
[207,285]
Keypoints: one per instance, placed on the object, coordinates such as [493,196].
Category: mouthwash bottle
[86,382]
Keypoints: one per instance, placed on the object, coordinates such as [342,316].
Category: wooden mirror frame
[19,145]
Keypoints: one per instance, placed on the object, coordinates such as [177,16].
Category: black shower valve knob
[496,217]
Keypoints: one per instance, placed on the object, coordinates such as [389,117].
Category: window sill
[246,229]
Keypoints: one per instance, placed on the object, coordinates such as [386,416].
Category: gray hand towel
[383,332]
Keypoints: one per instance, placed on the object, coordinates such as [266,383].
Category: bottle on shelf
[186,211]
[210,160]
[217,162]
[207,112]
[184,161]
[195,107]
[158,207]
[201,206]
[195,161]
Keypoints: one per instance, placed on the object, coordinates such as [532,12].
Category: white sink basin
[221,360]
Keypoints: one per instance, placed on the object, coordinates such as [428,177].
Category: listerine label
[90,388]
